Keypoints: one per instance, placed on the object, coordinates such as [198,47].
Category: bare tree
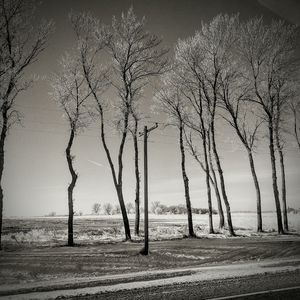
[135,58]
[107,208]
[216,39]
[96,208]
[203,57]
[284,96]
[191,55]
[20,46]
[268,52]
[154,206]
[71,94]
[234,92]
[170,101]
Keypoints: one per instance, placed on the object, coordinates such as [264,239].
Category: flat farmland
[35,251]
[51,231]
[57,263]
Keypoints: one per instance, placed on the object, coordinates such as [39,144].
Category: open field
[35,257]
[60,262]
[49,231]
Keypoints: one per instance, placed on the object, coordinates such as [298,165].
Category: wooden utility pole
[145,250]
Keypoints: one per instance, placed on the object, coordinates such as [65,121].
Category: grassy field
[22,232]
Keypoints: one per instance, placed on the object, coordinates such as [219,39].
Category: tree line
[157,208]
[244,73]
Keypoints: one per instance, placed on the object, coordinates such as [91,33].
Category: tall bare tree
[189,56]
[171,102]
[201,128]
[136,58]
[284,89]
[20,45]
[207,51]
[71,94]
[268,52]
[234,92]
[216,39]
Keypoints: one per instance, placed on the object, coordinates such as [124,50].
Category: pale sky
[36,176]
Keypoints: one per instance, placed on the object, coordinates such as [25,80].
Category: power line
[89,135]
[115,136]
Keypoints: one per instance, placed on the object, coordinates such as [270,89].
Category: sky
[36,176]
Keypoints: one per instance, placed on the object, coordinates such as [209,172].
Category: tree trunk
[257,188]
[215,185]
[186,184]
[124,213]
[137,180]
[120,179]
[283,189]
[296,127]
[274,177]
[282,168]
[281,159]
[2,143]
[117,182]
[71,187]
[222,181]
[207,177]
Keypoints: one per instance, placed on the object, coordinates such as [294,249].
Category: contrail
[95,163]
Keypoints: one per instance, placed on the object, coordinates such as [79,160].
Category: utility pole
[145,250]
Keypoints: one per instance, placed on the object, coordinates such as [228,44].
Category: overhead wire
[110,136]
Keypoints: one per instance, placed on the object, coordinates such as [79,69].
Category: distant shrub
[96,208]
[158,211]
[78,213]
[52,214]
[116,210]
[154,206]
[107,208]
[161,209]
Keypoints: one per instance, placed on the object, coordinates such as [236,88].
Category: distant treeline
[161,209]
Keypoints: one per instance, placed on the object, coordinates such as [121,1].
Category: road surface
[284,286]
[255,279]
